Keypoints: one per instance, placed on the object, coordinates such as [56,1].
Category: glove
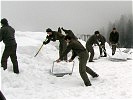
[62,28]
[101,46]
[95,44]
[117,45]
[44,42]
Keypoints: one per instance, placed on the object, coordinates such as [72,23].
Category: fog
[82,17]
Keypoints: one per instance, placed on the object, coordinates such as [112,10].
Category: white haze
[83,17]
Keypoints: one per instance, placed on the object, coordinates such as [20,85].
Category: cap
[96,32]
[114,28]
[48,30]
[4,21]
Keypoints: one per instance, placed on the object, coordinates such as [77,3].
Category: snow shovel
[106,53]
[61,74]
[39,50]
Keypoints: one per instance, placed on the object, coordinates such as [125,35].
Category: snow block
[119,56]
[62,68]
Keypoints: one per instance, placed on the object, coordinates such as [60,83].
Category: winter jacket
[92,40]
[114,37]
[7,35]
[70,33]
[77,48]
[101,39]
[55,36]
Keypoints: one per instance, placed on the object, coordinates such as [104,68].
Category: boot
[95,76]
[87,84]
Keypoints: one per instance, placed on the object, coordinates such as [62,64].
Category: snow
[36,82]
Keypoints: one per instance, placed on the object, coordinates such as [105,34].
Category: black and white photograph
[75,49]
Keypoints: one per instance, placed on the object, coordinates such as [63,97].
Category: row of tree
[125,28]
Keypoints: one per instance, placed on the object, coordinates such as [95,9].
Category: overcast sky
[79,16]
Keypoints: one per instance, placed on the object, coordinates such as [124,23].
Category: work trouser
[10,51]
[2,96]
[113,48]
[62,48]
[101,51]
[91,50]
[83,57]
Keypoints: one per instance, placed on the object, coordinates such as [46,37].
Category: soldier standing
[53,36]
[8,37]
[82,53]
[113,40]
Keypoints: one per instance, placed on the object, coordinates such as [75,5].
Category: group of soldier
[70,42]
[95,39]
[67,43]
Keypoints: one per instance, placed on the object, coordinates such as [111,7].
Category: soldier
[53,36]
[89,45]
[7,35]
[80,51]
[70,33]
[113,40]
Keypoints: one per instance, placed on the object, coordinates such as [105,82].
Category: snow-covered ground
[36,82]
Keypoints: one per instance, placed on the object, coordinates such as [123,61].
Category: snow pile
[120,55]
[36,82]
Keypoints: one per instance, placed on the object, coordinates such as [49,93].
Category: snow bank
[36,82]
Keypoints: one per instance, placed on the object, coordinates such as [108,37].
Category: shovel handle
[39,50]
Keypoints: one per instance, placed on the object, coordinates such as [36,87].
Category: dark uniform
[7,35]
[59,30]
[102,41]
[82,53]
[2,96]
[92,40]
[57,36]
[113,39]
[69,33]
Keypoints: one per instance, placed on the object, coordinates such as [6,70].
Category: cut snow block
[117,60]
[97,53]
[119,56]
[62,68]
